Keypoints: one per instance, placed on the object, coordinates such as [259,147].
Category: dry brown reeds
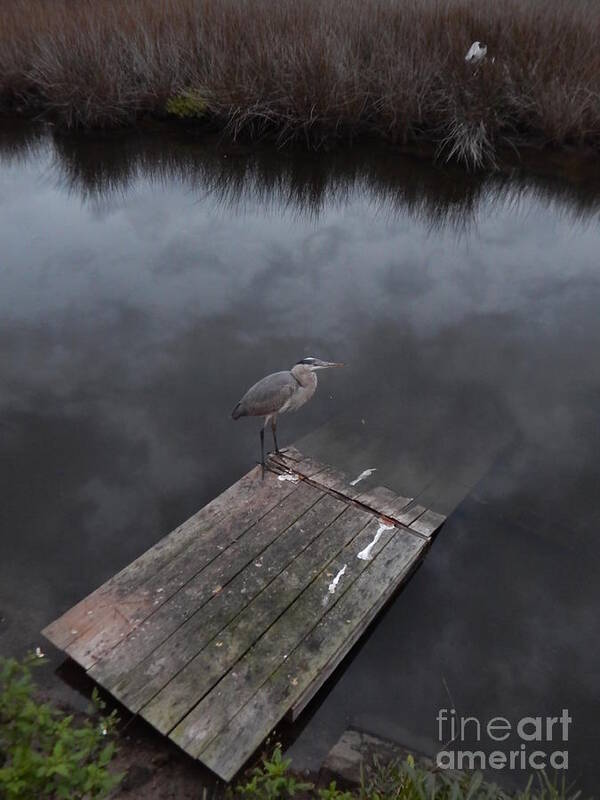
[316,70]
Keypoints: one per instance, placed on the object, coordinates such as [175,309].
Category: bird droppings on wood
[366,473]
[208,670]
[337,579]
[288,477]
[365,554]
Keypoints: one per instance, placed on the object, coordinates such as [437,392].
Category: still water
[145,282]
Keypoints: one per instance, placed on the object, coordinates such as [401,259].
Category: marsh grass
[318,71]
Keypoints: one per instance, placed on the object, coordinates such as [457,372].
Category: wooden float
[236,619]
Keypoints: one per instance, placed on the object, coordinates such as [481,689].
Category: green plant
[333,793]
[396,780]
[44,752]
[272,781]
[407,780]
[548,789]
[187,105]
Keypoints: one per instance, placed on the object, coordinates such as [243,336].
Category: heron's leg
[274,429]
[262,448]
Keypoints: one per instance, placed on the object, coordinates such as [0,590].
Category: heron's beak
[333,364]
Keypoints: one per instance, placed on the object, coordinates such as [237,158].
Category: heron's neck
[305,377]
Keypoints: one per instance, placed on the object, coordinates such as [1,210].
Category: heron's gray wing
[267,396]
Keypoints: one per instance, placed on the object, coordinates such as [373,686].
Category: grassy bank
[45,752]
[314,70]
[395,780]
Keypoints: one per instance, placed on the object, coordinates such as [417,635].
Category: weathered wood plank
[355,608]
[117,666]
[334,479]
[144,680]
[201,674]
[252,495]
[380,499]
[428,523]
[204,567]
[80,617]
[290,453]
[410,514]
[307,467]
[317,473]
[384,501]
[240,614]
[196,731]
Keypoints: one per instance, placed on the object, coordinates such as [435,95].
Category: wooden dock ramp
[237,618]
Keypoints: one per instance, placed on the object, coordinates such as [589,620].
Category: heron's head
[316,363]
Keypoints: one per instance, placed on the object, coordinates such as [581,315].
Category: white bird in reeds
[476,53]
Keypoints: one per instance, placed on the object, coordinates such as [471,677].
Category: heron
[280,392]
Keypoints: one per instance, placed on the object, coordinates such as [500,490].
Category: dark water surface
[146,282]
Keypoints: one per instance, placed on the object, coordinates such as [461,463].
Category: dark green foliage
[407,780]
[187,105]
[45,753]
[396,780]
[333,793]
[273,780]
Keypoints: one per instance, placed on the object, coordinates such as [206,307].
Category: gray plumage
[267,395]
[280,392]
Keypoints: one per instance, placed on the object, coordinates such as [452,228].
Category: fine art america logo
[536,742]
